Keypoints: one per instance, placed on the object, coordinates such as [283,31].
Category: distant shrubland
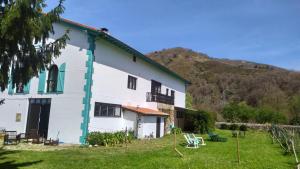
[217,83]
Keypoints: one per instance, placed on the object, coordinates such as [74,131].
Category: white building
[97,84]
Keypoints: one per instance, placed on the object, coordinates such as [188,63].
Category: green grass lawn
[257,152]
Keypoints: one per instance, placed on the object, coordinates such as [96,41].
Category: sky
[263,31]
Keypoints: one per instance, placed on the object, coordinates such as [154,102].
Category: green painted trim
[27,87]
[61,78]
[87,89]
[42,82]
[10,86]
[123,46]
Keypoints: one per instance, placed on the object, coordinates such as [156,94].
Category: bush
[234,112]
[224,126]
[233,127]
[243,128]
[176,130]
[105,139]
[269,116]
[198,121]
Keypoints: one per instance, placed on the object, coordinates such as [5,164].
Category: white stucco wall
[130,121]
[111,69]
[66,108]
[149,126]
[112,66]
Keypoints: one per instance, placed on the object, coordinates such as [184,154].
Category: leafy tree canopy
[24,45]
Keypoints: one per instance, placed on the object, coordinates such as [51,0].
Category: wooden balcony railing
[160,98]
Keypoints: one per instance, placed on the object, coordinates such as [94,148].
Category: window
[167,91]
[131,84]
[20,88]
[155,87]
[134,58]
[52,79]
[107,110]
[172,93]
[179,114]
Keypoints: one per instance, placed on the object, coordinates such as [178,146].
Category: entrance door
[158,122]
[38,116]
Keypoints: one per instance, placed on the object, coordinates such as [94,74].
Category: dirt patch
[38,147]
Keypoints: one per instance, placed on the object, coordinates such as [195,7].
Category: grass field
[257,152]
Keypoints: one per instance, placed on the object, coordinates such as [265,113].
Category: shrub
[233,127]
[243,128]
[109,139]
[224,126]
[198,121]
[234,112]
[269,116]
[176,130]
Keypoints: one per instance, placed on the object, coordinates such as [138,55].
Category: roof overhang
[145,111]
[123,46]
[184,109]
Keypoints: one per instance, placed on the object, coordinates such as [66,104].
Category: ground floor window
[179,114]
[20,88]
[107,110]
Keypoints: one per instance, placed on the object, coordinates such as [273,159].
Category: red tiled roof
[145,111]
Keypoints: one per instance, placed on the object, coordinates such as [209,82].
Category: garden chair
[11,137]
[191,143]
[200,139]
[33,136]
[216,138]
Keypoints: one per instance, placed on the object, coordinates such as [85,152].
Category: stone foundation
[169,109]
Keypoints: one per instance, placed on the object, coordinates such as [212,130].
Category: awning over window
[145,111]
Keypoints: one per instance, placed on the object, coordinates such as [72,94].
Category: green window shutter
[10,86]
[61,78]
[42,81]
[27,87]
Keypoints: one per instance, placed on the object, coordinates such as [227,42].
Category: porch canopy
[145,111]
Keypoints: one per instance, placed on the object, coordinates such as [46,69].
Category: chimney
[104,30]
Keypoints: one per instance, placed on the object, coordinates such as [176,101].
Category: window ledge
[19,94]
[107,117]
[49,93]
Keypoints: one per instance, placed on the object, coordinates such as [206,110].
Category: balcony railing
[160,98]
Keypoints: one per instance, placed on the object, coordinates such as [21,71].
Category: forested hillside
[217,82]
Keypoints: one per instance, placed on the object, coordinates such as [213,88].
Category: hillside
[216,82]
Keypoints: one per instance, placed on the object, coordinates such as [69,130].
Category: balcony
[160,98]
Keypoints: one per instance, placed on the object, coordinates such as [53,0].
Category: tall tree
[24,33]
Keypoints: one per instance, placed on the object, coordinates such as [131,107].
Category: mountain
[216,82]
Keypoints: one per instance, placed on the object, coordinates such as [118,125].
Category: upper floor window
[155,87]
[107,110]
[167,92]
[134,58]
[131,83]
[52,79]
[172,93]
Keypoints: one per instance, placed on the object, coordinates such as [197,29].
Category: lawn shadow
[12,163]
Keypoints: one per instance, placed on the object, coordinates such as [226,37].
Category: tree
[24,33]
[295,110]
[231,112]
[189,101]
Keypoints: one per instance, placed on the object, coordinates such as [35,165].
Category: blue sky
[264,31]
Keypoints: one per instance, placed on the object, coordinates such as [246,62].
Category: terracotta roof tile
[145,111]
